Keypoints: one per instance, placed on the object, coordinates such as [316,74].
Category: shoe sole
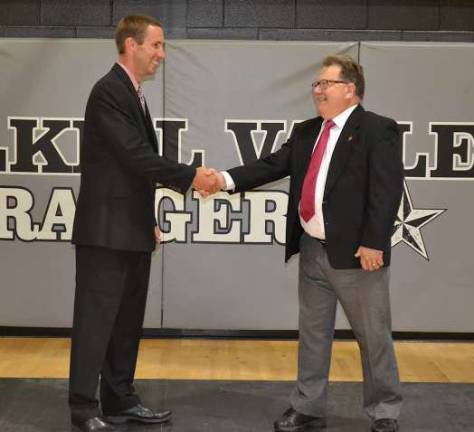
[75,428]
[126,419]
[313,426]
[394,430]
[397,429]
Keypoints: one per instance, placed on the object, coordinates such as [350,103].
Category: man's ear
[130,44]
[351,90]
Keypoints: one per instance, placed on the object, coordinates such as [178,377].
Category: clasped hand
[370,259]
[208,181]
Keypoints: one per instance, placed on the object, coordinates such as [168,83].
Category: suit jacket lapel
[145,115]
[309,142]
[126,80]
[151,129]
[343,148]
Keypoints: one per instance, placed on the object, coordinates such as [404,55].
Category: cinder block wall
[337,20]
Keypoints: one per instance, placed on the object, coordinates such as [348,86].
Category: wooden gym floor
[218,359]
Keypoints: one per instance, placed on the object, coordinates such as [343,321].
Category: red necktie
[307,203]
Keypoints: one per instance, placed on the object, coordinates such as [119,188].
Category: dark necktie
[307,202]
[141,96]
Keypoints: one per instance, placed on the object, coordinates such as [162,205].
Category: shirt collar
[132,78]
[340,119]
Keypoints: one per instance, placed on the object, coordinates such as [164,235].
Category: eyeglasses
[325,84]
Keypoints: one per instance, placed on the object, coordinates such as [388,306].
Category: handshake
[208,181]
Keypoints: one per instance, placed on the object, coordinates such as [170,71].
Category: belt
[321,241]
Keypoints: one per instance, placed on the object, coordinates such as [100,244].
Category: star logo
[409,221]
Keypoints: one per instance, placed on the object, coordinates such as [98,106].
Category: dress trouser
[365,299]
[109,308]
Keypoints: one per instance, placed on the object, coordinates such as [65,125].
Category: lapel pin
[350,138]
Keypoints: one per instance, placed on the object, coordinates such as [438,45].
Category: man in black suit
[115,232]
[346,181]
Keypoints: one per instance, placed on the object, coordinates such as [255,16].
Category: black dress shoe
[293,421]
[139,414]
[385,425]
[94,424]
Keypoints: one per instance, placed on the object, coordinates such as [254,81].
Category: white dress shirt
[315,226]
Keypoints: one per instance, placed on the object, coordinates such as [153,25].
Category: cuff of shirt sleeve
[229,181]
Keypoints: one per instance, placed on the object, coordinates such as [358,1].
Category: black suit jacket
[363,187]
[120,166]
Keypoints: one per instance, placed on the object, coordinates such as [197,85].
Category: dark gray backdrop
[214,276]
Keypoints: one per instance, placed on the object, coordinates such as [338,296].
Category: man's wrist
[229,181]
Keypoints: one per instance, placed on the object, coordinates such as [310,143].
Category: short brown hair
[133,26]
[351,71]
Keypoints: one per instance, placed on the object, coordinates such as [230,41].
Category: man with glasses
[346,182]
